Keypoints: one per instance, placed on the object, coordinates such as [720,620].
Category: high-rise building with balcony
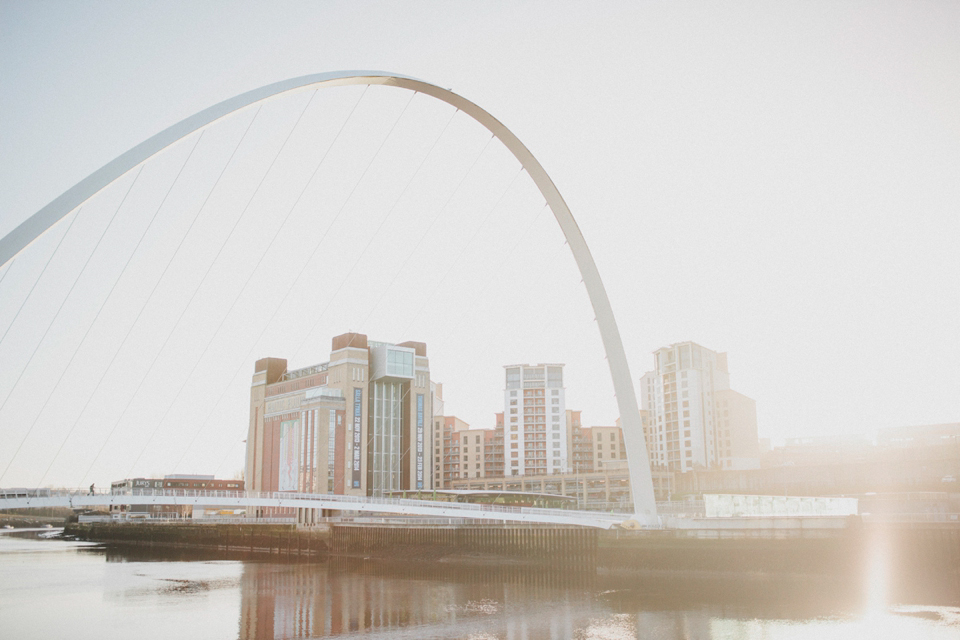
[697,421]
[534,411]
[446,438]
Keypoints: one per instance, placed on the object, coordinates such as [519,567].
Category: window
[613,436]
[464,439]
[513,412]
[513,445]
[399,362]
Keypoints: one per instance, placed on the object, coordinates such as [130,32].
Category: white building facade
[698,422]
[534,420]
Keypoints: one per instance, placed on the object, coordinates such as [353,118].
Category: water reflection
[77,591]
[342,598]
[304,601]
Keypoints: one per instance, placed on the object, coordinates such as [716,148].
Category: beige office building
[358,424]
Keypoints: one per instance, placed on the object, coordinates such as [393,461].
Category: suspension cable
[122,271]
[240,294]
[150,297]
[127,264]
[89,327]
[236,299]
[454,262]
[72,286]
[37,281]
[370,242]
[296,280]
[422,237]
[520,240]
[7,270]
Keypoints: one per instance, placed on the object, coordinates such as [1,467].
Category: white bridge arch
[641,482]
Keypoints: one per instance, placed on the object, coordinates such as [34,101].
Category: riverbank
[919,555]
[81,590]
[267,540]
[30,522]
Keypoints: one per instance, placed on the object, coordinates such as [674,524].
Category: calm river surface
[58,589]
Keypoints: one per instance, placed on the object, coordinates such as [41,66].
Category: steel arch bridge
[641,483]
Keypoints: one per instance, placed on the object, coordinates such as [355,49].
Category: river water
[52,588]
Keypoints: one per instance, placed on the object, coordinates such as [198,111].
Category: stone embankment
[275,540]
[910,552]
[29,522]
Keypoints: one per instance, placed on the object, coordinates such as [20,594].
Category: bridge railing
[292,498]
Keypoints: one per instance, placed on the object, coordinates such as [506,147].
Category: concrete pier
[544,546]
[913,553]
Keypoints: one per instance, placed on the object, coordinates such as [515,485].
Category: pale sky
[777,181]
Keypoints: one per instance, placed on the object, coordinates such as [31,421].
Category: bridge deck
[37,498]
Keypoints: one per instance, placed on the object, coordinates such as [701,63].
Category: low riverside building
[175,482]
[605,490]
[924,458]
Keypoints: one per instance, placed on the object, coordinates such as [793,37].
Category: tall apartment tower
[697,421]
[358,424]
[534,414]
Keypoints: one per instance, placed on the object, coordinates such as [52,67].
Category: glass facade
[386,419]
[331,449]
[399,363]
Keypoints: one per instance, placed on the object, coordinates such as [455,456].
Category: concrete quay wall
[276,540]
[914,553]
[543,546]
